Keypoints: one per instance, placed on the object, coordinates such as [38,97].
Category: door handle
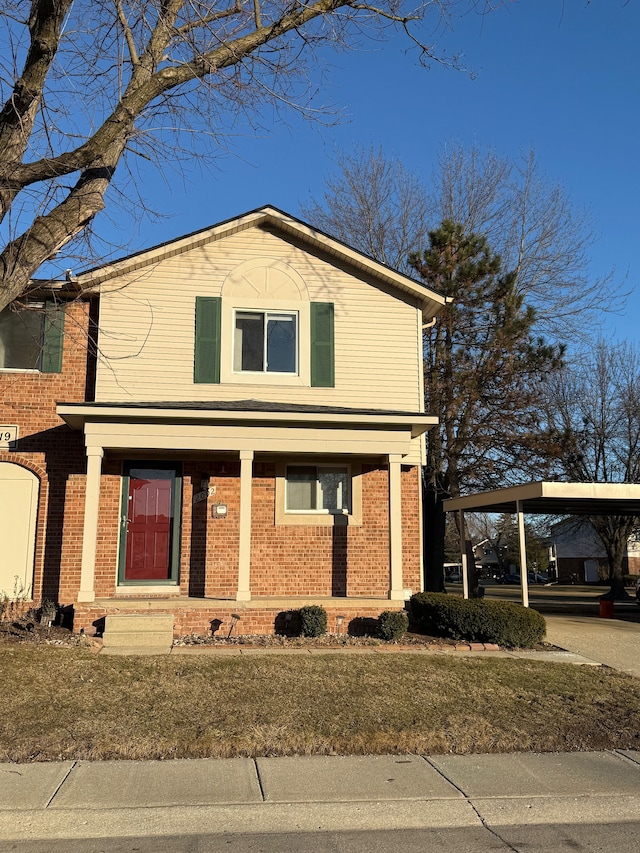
[124,521]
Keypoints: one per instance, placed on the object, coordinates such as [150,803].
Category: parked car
[514,577]
[511,577]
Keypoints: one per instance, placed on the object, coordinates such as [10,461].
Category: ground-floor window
[317,488]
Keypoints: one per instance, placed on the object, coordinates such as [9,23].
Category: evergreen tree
[483,368]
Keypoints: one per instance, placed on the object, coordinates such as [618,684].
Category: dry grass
[69,703]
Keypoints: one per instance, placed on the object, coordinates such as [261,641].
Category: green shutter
[206,366]
[52,338]
[322,357]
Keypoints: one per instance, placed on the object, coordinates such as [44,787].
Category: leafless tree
[593,431]
[374,203]
[88,85]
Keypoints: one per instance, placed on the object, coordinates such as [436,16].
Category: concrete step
[135,650]
[137,638]
[118,622]
[138,631]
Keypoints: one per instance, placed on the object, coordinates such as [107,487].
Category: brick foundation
[253,620]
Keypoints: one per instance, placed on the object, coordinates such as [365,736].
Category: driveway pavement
[612,642]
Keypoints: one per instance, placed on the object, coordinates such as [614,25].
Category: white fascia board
[77,416]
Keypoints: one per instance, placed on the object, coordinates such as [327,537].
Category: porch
[260,615]
[244,534]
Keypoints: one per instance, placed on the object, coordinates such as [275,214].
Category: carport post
[524,579]
[463,556]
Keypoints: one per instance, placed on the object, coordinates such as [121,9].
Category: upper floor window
[284,346]
[31,338]
[265,342]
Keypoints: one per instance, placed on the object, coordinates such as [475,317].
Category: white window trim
[227,374]
[266,313]
[320,518]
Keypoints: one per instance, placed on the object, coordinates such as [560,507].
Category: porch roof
[551,498]
[249,412]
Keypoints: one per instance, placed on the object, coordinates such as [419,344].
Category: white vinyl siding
[147,331]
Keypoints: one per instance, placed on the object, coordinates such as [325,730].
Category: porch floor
[130,602]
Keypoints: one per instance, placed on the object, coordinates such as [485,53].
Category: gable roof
[271,218]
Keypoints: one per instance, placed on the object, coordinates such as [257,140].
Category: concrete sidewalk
[133,799]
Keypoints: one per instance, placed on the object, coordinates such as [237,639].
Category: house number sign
[8,436]
[204,494]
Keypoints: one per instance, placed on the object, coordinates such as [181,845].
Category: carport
[545,498]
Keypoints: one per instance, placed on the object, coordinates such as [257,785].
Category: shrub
[47,612]
[392,625]
[313,621]
[478,620]
[362,626]
[287,623]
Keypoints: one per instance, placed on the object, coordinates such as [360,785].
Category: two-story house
[232,422]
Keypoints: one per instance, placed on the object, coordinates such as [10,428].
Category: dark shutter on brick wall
[206,366]
[52,338]
[322,346]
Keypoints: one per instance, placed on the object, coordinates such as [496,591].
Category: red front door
[149,524]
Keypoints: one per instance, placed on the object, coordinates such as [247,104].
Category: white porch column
[396,591]
[463,556]
[524,575]
[90,528]
[244,558]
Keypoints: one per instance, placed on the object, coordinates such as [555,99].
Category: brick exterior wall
[286,560]
[571,569]
[55,453]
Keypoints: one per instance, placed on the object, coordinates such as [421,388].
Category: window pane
[333,488]
[301,487]
[281,343]
[248,341]
[20,338]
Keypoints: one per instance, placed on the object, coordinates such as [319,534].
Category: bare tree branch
[128,34]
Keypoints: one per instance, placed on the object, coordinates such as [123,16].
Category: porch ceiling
[550,498]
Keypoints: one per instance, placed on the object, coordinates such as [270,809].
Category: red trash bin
[606,608]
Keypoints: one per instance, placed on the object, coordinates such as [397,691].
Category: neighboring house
[578,553]
[486,557]
[490,557]
[232,422]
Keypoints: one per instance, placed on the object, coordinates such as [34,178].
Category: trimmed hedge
[477,620]
[392,625]
[313,620]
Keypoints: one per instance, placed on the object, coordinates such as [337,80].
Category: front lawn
[69,703]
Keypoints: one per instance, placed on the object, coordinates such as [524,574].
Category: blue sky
[562,76]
